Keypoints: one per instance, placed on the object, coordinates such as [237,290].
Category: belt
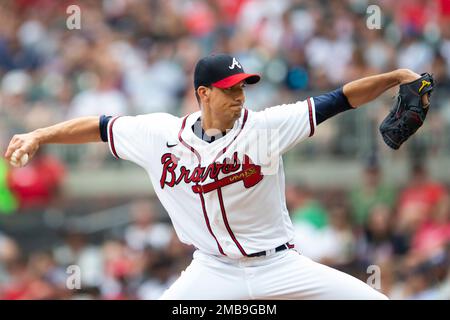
[268,252]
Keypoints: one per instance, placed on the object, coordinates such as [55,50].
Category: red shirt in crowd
[36,184]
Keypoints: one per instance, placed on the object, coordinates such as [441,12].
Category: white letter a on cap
[235,63]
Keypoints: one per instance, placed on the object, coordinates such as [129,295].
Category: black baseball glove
[408,112]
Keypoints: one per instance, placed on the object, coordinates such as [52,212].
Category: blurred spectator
[338,238]
[118,265]
[180,253]
[425,280]
[37,184]
[13,104]
[14,56]
[378,244]
[433,235]
[156,87]
[160,280]
[417,286]
[18,283]
[373,191]
[9,252]
[309,219]
[27,280]
[145,230]
[43,266]
[305,208]
[415,54]
[333,66]
[103,98]
[417,201]
[76,250]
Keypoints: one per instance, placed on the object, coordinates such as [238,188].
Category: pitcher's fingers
[425,100]
[13,146]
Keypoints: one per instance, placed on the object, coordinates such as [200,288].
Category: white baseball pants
[283,275]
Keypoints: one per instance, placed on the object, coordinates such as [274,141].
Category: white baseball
[19,162]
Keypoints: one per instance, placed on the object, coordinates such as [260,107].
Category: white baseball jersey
[226,197]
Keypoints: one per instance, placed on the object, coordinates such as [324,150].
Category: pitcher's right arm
[75,131]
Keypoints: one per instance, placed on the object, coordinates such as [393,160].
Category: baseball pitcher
[219,174]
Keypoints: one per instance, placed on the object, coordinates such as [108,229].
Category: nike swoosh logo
[170,145]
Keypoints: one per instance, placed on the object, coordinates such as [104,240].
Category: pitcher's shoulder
[159,119]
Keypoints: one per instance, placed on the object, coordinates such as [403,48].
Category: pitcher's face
[227,104]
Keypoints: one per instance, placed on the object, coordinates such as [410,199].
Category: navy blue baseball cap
[221,71]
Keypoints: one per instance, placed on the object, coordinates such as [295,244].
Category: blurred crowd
[395,238]
[137,262]
[401,231]
[137,56]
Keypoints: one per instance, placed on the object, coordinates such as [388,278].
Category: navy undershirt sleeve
[103,125]
[330,104]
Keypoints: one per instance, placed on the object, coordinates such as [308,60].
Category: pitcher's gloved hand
[408,112]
